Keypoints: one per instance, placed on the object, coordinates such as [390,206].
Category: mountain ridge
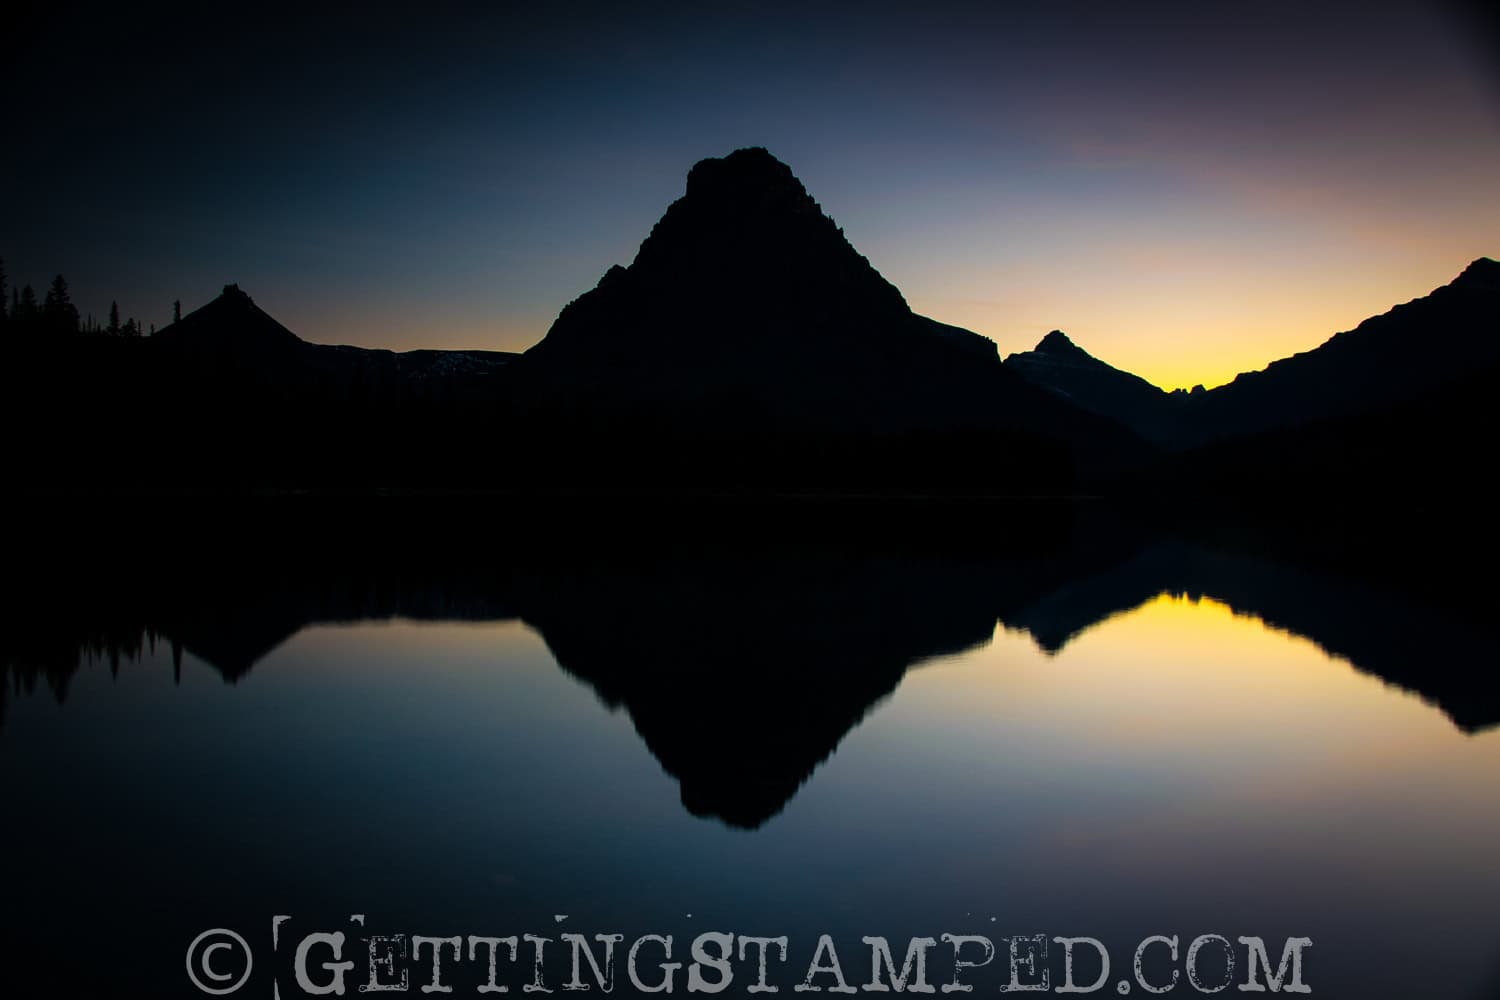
[1380,363]
[748,346]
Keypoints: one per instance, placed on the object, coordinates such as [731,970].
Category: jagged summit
[233,299]
[237,295]
[747,172]
[746,222]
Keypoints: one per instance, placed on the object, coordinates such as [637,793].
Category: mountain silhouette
[1058,364]
[1395,410]
[750,348]
[748,338]
[228,397]
[1346,392]
[1395,407]
[231,338]
[231,324]
[1401,355]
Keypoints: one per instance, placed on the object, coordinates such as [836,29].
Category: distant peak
[231,317]
[1058,343]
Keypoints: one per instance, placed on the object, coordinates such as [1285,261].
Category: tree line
[21,315]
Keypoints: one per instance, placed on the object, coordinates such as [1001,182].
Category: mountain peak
[743,172]
[745,260]
[1067,370]
[236,295]
[231,318]
[1057,343]
[1483,272]
[746,209]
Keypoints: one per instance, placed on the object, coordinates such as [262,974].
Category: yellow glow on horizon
[1176,316]
[1188,324]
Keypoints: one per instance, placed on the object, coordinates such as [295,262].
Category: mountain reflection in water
[858,719]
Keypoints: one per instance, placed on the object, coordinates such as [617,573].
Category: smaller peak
[1057,342]
[232,316]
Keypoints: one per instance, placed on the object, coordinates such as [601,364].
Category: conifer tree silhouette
[58,312]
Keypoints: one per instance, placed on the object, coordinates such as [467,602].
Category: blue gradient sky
[1187,190]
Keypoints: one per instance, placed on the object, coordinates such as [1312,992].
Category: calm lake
[759,743]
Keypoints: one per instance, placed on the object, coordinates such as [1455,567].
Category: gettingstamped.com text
[337,961]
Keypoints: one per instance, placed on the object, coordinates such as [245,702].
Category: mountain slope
[1403,354]
[1437,444]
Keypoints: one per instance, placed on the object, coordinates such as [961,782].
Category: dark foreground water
[760,741]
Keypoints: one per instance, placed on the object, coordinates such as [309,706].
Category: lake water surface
[1173,767]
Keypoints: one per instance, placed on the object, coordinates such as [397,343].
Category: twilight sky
[1189,190]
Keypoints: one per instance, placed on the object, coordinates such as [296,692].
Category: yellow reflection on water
[1178,672]
[1180,723]
[1179,667]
